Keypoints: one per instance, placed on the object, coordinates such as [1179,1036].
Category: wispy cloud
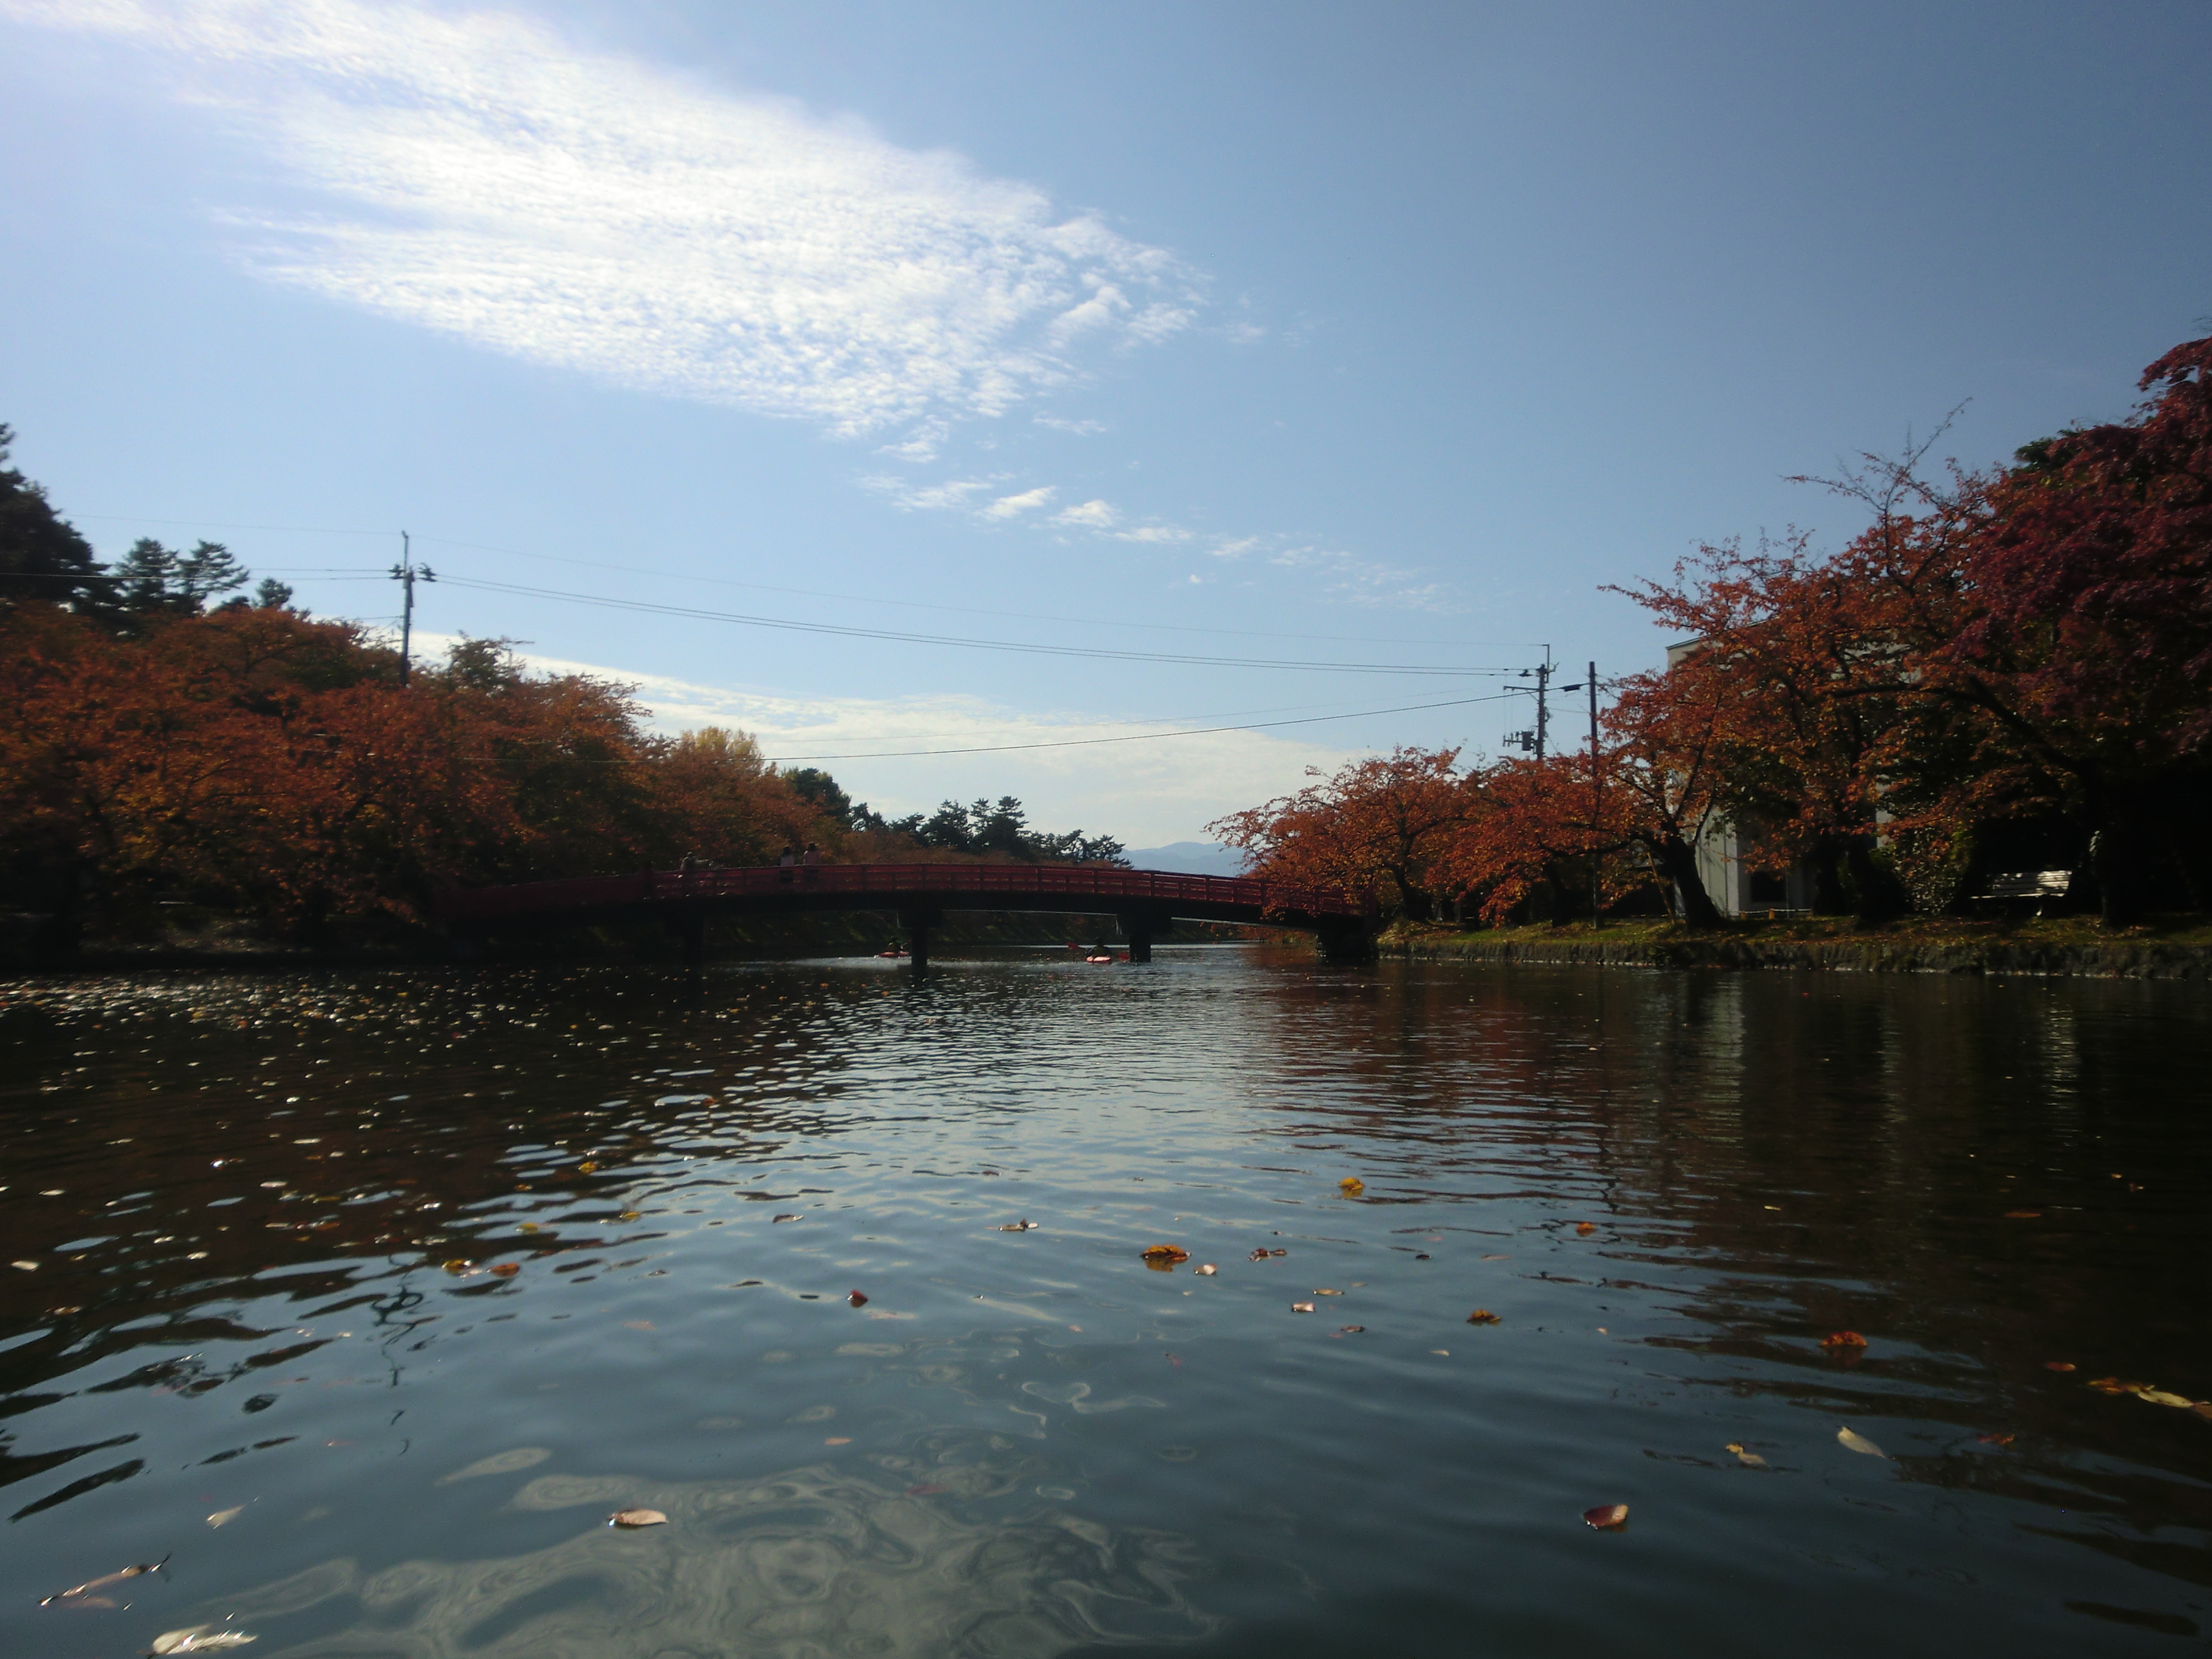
[473,172]
[1371,582]
[1088,515]
[1081,428]
[1012,507]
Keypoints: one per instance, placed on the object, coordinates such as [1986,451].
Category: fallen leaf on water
[788,1215]
[637,1518]
[1017,1226]
[1997,1439]
[1586,1227]
[1325,1292]
[1749,1459]
[1857,1442]
[2023,1215]
[1279,1253]
[1607,1517]
[1301,1307]
[1836,1341]
[458,1265]
[1165,1254]
[1446,1352]
[588,1169]
[839,1440]
[1350,1330]
[506,1269]
[2114,1385]
[2058,1364]
[528,1227]
[627,1215]
[1260,1255]
[2160,1397]
[1352,1186]
[1206,1269]
[198,1640]
[1498,1258]
[856,1298]
[105,1579]
[926,1489]
[223,1517]
[1482,1316]
[2202,1408]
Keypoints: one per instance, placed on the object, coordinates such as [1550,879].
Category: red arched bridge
[1147,902]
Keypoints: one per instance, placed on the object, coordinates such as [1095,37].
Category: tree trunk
[1678,862]
[1828,897]
[1879,896]
[2115,857]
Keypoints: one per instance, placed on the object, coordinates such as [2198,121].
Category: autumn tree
[1386,821]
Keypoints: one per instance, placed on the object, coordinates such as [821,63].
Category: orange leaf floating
[2114,1385]
[1996,1439]
[506,1269]
[2023,1215]
[637,1518]
[1607,1517]
[1585,1228]
[1841,1341]
[856,1299]
[1482,1316]
[1167,1254]
[1301,1307]
[2058,1364]
[458,1265]
[1017,1226]
[1260,1255]
[1352,1186]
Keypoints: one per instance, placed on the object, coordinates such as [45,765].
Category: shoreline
[2046,953]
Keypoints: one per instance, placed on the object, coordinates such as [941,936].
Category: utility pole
[1597,806]
[1539,739]
[407,573]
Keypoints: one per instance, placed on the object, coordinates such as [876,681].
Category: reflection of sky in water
[263,1217]
[811,1561]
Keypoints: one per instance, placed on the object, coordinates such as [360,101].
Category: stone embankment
[1876,954]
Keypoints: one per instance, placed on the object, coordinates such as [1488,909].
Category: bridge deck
[1073,889]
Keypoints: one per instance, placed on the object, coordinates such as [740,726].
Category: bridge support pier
[915,926]
[689,925]
[1140,928]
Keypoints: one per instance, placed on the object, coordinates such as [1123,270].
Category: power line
[802,593]
[1092,652]
[956,610]
[1142,737]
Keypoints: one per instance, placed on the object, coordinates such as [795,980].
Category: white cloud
[1152,532]
[1148,792]
[1089,515]
[1368,583]
[1009,507]
[1081,428]
[1236,549]
[472,173]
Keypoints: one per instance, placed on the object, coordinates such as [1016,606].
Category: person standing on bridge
[811,859]
[784,863]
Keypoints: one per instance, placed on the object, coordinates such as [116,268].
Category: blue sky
[1356,335]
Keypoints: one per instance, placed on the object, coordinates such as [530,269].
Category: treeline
[167,737]
[2004,670]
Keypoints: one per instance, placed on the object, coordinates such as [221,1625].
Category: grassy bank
[2173,947]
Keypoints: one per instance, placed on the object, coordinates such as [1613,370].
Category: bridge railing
[1105,889]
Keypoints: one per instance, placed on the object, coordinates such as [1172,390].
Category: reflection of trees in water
[812,1561]
[1781,1155]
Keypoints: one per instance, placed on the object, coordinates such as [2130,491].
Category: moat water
[360,1301]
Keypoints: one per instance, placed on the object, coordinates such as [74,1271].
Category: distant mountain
[1189,858]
